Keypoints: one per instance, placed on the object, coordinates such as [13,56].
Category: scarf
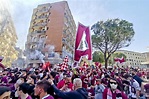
[109,94]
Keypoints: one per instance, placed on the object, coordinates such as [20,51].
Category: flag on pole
[87,52]
[121,60]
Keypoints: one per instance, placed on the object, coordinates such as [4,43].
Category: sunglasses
[113,83]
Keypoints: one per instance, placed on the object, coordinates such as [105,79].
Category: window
[34,23]
[47,28]
[44,45]
[44,9]
[48,20]
[41,21]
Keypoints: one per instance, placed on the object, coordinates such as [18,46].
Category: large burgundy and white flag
[83,30]
[120,60]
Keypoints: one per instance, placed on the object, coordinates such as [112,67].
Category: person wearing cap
[99,89]
[4,92]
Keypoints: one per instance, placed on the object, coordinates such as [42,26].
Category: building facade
[52,30]
[134,58]
[146,63]
[8,38]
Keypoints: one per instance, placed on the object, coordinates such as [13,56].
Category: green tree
[111,35]
[98,57]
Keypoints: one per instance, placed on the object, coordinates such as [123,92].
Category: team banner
[120,60]
[79,53]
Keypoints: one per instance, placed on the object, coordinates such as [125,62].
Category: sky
[88,12]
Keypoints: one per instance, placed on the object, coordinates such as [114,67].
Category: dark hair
[126,82]
[107,76]
[53,74]
[34,78]
[118,84]
[3,89]
[24,78]
[24,87]
[24,70]
[44,84]
[37,77]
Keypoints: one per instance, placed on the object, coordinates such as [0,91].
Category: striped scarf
[109,94]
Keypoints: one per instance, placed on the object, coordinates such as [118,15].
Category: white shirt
[136,85]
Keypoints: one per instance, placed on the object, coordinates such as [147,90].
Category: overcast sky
[89,12]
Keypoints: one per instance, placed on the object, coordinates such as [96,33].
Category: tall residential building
[134,58]
[52,24]
[8,37]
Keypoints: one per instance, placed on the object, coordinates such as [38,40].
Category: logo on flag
[83,30]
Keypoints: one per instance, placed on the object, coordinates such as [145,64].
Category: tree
[98,57]
[111,35]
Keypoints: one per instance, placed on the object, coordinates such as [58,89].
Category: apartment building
[52,24]
[146,63]
[134,58]
[8,38]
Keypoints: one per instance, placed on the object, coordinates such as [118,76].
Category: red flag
[44,66]
[121,60]
[98,64]
[79,53]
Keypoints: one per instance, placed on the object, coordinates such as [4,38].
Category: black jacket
[80,93]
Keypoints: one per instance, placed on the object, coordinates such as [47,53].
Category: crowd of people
[90,82]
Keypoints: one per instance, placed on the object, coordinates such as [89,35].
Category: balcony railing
[39,12]
[37,33]
[43,16]
[40,24]
[66,43]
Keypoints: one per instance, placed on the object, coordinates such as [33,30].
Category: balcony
[40,12]
[38,25]
[38,33]
[33,42]
[42,17]
[34,17]
[65,42]
[38,20]
[35,10]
